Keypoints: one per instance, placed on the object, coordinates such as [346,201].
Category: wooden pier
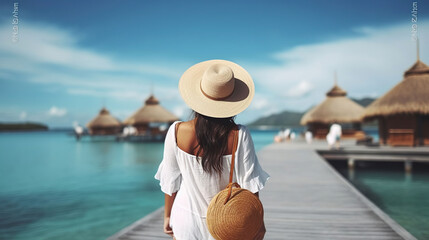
[353,154]
[305,198]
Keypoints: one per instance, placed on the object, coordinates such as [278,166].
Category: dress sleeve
[168,173]
[250,174]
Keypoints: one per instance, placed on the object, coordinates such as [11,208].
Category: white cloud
[47,44]
[299,90]
[57,112]
[52,56]
[372,62]
[181,111]
[259,102]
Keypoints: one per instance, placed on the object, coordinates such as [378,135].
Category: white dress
[180,172]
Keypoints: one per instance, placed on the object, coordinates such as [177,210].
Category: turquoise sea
[404,197]
[54,187]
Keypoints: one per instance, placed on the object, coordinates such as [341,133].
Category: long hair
[212,136]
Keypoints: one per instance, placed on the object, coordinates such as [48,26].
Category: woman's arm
[167,212]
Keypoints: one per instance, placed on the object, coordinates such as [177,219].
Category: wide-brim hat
[217,88]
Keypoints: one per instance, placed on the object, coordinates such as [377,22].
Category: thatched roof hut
[410,96]
[104,124]
[403,112]
[335,108]
[151,112]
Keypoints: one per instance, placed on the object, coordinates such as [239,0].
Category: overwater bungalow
[148,118]
[336,108]
[104,124]
[403,112]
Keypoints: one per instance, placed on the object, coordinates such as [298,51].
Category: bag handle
[231,172]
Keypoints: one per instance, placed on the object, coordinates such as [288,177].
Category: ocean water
[54,187]
[404,197]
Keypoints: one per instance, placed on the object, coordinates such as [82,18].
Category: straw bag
[234,213]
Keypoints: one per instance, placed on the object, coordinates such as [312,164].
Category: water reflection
[142,153]
[408,177]
[351,174]
[102,154]
[403,196]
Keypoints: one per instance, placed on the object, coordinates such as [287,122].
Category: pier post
[351,163]
[408,166]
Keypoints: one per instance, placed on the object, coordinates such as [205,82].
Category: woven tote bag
[234,213]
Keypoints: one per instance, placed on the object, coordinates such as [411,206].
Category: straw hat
[217,88]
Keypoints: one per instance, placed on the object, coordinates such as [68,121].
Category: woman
[197,153]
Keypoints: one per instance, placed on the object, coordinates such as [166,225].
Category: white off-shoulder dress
[180,172]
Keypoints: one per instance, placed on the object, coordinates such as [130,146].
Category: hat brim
[238,101]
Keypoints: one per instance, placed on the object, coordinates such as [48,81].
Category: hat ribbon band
[215,98]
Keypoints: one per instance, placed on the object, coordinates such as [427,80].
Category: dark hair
[212,136]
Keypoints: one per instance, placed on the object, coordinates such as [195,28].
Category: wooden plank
[305,198]
[142,229]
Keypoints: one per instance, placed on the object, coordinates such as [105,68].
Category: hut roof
[410,96]
[152,111]
[336,91]
[335,108]
[104,120]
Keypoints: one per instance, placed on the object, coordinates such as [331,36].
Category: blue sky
[74,56]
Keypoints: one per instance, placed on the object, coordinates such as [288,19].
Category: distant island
[27,126]
[292,118]
[285,118]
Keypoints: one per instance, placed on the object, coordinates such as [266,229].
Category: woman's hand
[167,229]
[261,233]
[167,212]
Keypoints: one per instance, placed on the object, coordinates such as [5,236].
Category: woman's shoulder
[186,124]
[186,127]
[172,127]
[176,124]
